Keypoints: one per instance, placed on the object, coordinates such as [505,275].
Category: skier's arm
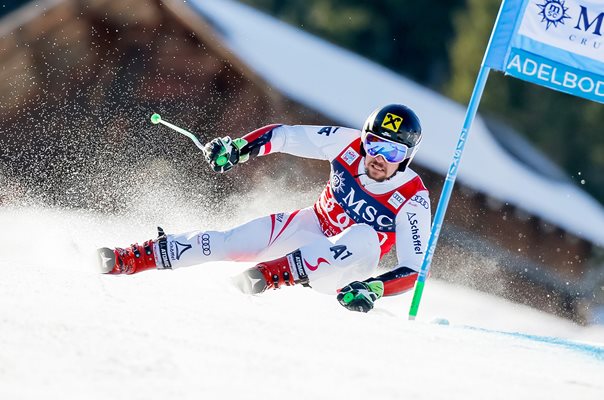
[317,142]
[412,233]
[397,281]
[224,153]
[310,141]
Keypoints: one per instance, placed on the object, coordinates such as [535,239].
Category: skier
[372,201]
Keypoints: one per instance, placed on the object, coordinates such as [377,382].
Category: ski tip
[106,260]
[250,281]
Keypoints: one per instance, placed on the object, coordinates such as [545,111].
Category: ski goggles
[392,152]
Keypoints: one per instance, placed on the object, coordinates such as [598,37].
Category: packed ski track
[67,332]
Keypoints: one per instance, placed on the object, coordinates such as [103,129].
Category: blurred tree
[567,128]
[404,35]
[7,6]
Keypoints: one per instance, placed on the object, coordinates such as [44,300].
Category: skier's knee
[364,239]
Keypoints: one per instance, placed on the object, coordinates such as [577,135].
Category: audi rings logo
[421,201]
[205,244]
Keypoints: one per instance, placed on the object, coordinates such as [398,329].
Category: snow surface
[67,332]
[319,75]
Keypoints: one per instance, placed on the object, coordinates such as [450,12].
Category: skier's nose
[381,159]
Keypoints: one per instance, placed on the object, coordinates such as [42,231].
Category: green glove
[360,296]
[223,153]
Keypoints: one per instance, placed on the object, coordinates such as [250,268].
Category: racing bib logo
[392,122]
[350,155]
[337,182]
[367,213]
[396,200]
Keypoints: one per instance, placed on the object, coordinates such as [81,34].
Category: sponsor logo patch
[553,12]
[181,248]
[421,201]
[396,200]
[338,250]
[351,206]
[204,241]
[417,240]
[163,253]
[392,122]
[350,155]
[295,259]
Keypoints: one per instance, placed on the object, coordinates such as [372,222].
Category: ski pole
[156,119]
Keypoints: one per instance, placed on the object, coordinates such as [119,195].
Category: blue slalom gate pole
[508,15]
[448,189]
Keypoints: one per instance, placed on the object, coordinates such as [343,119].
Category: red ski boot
[273,274]
[130,260]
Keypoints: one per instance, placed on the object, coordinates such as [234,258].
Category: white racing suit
[342,237]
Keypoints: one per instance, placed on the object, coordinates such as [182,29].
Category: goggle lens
[391,151]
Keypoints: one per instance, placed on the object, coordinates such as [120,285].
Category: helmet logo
[392,122]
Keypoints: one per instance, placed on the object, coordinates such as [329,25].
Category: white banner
[576,26]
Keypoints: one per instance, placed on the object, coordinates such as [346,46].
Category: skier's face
[378,169]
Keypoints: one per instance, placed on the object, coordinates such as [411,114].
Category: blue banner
[554,43]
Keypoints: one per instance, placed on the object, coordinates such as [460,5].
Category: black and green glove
[223,153]
[360,296]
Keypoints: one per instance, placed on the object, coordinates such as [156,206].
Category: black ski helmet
[398,123]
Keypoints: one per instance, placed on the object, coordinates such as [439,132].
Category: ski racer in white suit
[373,200]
